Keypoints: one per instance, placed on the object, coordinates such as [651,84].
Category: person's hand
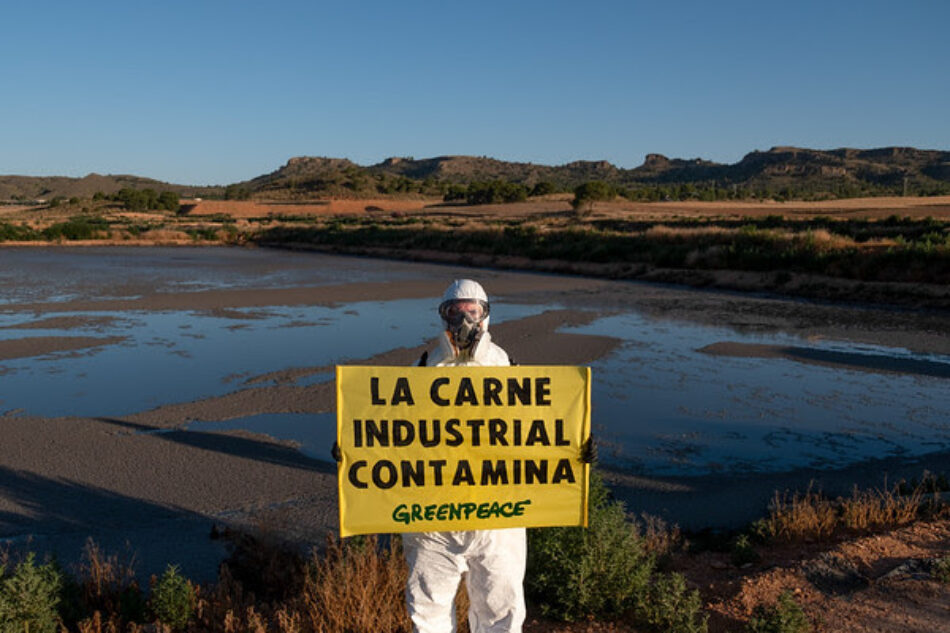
[589,451]
[336,453]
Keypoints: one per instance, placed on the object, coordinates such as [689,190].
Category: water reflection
[180,356]
[661,405]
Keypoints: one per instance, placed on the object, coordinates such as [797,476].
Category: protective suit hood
[481,350]
[464,311]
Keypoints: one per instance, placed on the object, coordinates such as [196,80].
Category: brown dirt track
[938,207]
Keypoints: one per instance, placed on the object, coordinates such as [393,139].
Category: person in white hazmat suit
[494,560]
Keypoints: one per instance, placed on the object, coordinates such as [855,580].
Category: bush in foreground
[605,571]
[29,597]
[173,599]
[941,570]
[785,616]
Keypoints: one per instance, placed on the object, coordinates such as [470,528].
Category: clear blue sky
[215,92]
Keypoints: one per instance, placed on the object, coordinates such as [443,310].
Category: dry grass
[105,577]
[872,509]
[356,588]
[808,515]
[813,516]
[659,537]
[664,232]
[352,586]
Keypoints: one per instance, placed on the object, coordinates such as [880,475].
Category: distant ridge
[48,187]
[779,166]
[881,170]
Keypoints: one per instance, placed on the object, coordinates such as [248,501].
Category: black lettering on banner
[392,473]
[374,391]
[463,472]
[563,471]
[494,474]
[402,392]
[452,428]
[354,469]
[497,428]
[521,390]
[476,426]
[377,433]
[415,475]
[537,434]
[357,433]
[466,393]
[437,465]
[404,433]
[559,433]
[434,392]
[536,471]
[424,438]
[542,391]
[492,392]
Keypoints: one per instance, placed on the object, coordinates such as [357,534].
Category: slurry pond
[662,404]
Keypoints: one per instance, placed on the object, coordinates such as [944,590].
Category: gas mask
[463,319]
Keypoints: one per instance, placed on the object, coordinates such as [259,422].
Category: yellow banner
[461,448]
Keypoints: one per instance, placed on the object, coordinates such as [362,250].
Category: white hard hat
[465,289]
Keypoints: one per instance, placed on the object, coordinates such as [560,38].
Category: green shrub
[29,598]
[941,569]
[600,571]
[173,599]
[605,571]
[785,616]
[671,606]
[743,551]
[494,192]
[74,229]
[16,232]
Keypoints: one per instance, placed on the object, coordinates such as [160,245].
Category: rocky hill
[874,170]
[796,171]
[29,188]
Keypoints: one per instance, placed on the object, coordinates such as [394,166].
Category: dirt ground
[551,205]
[862,584]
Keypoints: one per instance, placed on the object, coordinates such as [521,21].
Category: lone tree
[587,194]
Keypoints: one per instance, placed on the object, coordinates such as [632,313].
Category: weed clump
[941,570]
[173,599]
[743,551]
[785,616]
[29,597]
[671,606]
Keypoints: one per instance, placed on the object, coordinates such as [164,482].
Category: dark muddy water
[661,404]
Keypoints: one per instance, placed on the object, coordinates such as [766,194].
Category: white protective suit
[494,560]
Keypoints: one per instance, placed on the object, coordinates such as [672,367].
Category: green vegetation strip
[889,250]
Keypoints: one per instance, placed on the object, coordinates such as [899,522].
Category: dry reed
[356,589]
[803,516]
[104,578]
[812,516]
